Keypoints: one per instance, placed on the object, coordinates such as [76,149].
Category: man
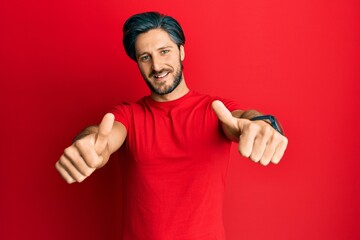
[177,142]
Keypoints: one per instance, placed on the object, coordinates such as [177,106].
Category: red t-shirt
[175,170]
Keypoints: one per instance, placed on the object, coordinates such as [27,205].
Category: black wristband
[273,122]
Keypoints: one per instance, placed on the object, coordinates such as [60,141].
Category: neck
[178,92]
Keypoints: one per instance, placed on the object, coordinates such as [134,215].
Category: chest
[159,136]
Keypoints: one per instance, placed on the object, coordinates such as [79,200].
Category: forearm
[115,139]
[248,114]
[85,132]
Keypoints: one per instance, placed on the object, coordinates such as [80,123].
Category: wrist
[271,120]
[249,114]
[87,131]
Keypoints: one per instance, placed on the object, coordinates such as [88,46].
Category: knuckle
[70,155]
[253,127]
[285,140]
[255,158]
[68,150]
[268,131]
[94,163]
[81,179]
[58,166]
[88,172]
[79,143]
[76,175]
[243,152]
[70,180]
[276,137]
[62,160]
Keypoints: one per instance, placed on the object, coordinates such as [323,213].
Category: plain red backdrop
[62,66]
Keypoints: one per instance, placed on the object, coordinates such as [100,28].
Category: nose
[156,64]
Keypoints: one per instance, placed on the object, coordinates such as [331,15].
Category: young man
[177,141]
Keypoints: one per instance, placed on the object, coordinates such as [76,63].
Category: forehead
[152,40]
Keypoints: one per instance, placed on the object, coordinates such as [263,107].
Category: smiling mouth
[160,75]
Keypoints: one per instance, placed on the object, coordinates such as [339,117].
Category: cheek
[174,62]
[143,68]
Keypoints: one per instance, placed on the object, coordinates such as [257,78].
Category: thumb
[224,114]
[103,132]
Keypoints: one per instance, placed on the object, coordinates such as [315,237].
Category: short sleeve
[229,104]
[122,113]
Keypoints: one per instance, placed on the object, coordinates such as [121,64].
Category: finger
[71,169]
[91,159]
[224,114]
[269,152]
[64,174]
[260,145]
[263,144]
[247,138]
[77,156]
[280,150]
[104,130]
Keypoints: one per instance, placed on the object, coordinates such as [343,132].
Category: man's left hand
[257,139]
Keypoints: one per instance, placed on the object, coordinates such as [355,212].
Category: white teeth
[160,76]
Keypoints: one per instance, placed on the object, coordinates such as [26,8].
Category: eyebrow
[162,48]
[159,49]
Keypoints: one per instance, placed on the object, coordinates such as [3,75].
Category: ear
[182,53]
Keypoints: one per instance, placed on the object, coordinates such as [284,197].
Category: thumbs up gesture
[257,139]
[89,152]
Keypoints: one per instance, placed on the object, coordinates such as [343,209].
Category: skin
[159,60]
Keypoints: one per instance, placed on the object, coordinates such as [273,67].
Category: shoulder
[231,104]
[125,111]
[127,105]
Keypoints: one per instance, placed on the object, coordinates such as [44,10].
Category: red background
[62,66]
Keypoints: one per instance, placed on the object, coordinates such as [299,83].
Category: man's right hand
[88,153]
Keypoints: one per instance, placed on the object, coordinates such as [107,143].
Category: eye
[165,51]
[144,58]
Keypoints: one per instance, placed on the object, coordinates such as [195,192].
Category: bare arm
[246,114]
[91,149]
